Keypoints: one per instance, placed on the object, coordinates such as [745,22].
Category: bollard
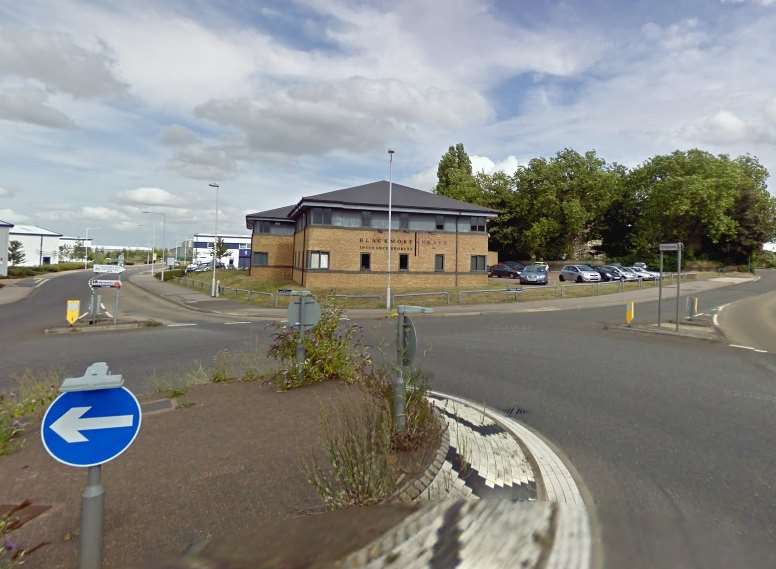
[92,505]
[630,312]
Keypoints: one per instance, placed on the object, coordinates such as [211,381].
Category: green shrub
[170,274]
[333,351]
[33,393]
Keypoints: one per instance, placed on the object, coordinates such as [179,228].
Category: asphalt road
[673,437]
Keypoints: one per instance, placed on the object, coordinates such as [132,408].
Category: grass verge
[31,396]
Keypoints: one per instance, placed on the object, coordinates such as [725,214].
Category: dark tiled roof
[279,213]
[376,194]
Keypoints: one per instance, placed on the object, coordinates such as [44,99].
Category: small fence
[444,293]
[514,291]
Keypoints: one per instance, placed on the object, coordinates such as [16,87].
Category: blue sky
[109,109]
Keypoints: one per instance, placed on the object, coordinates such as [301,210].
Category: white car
[645,274]
[579,274]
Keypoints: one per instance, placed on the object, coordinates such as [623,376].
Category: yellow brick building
[339,240]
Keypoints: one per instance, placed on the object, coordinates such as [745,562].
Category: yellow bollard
[630,312]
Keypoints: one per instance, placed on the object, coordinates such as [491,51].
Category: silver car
[579,274]
[644,273]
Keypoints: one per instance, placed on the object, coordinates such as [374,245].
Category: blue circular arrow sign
[87,428]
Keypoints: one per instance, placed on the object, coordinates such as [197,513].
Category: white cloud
[770,110]
[28,105]
[149,196]
[5,192]
[202,162]
[485,164]
[13,216]
[177,135]
[722,127]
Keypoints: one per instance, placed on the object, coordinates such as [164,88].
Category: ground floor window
[318,260]
[260,259]
[404,262]
[478,263]
[366,262]
[439,263]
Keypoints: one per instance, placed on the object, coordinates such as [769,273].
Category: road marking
[741,347]
[761,351]
[41,282]
[241,322]
[182,324]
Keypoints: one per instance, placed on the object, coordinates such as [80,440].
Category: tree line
[573,205]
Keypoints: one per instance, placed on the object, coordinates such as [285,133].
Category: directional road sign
[670,246]
[104,283]
[109,269]
[310,315]
[87,428]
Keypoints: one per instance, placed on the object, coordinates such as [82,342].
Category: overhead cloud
[5,192]
[12,216]
[177,135]
[149,196]
[57,61]
[204,162]
[29,105]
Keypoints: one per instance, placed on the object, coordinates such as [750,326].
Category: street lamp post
[153,246]
[213,290]
[390,203]
[86,245]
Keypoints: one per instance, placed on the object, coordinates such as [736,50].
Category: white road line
[721,308]
[715,320]
[241,322]
[182,324]
[761,351]
[41,282]
[741,347]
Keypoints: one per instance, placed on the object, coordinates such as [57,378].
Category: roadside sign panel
[104,283]
[311,312]
[109,269]
[88,428]
[670,246]
[121,260]
[73,311]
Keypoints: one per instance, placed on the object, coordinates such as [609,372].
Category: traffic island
[103,326]
[699,330]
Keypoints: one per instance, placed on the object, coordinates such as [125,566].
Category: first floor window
[318,260]
[404,221]
[260,259]
[440,222]
[321,216]
[478,224]
[404,262]
[439,263]
[478,263]
[366,262]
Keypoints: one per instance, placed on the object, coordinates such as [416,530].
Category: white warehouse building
[39,245]
[4,228]
[239,249]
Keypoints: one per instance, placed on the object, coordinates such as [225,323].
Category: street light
[390,199]
[86,244]
[213,290]
[164,246]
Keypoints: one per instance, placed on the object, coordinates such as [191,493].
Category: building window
[478,224]
[260,259]
[366,219]
[478,263]
[321,216]
[243,245]
[404,221]
[404,262]
[440,222]
[366,262]
[318,260]
[439,263]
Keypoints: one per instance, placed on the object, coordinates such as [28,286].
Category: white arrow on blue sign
[87,428]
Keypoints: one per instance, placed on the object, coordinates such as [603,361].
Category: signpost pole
[660,292]
[399,416]
[300,355]
[92,506]
[678,282]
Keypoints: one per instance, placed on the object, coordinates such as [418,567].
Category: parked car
[517,265]
[579,273]
[540,265]
[534,275]
[608,273]
[644,273]
[627,274]
[640,265]
[504,270]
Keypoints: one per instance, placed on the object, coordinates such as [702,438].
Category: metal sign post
[112,424]
[406,348]
[303,313]
[678,247]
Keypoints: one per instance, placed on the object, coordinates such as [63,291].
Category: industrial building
[40,246]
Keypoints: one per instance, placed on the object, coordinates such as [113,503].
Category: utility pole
[213,291]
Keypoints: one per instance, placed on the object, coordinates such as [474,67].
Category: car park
[502,270]
[626,273]
[644,273]
[534,275]
[579,273]
[539,264]
[517,265]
